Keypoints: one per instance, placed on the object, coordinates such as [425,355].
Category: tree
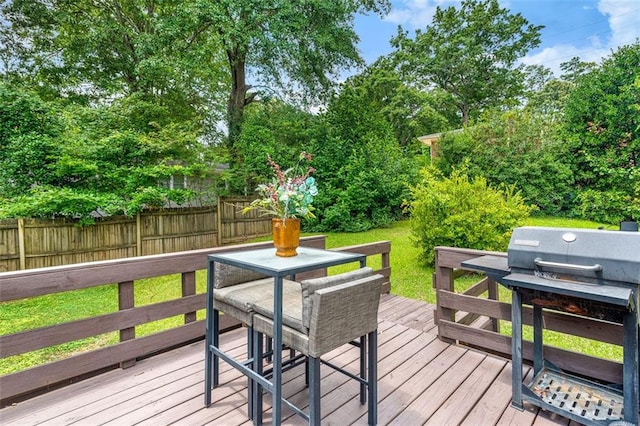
[470,53]
[90,50]
[283,45]
[573,69]
[603,137]
[548,95]
[519,148]
[272,128]
[187,53]
[361,172]
[75,161]
[28,129]
[409,111]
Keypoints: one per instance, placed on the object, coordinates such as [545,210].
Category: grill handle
[593,268]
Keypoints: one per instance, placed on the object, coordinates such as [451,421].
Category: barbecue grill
[591,273]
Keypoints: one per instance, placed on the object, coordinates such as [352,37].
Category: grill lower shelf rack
[574,397]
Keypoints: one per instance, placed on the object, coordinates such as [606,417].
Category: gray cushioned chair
[235,292]
[328,313]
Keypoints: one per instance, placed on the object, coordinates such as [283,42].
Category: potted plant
[288,198]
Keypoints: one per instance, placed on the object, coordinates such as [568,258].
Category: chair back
[310,286]
[343,312]
[227,275]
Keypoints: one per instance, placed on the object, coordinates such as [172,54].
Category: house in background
[430,141]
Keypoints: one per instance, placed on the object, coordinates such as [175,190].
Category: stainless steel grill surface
[585,255]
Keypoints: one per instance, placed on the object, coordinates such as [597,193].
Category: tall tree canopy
[469,52]
[76,161]
[97,50]
[187,52]
[283,45]
[410,112]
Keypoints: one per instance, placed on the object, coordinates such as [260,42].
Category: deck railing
[472,317]
[125,272]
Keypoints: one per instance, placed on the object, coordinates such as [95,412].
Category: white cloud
[414,14]
[552,57]
[623,17]
[624,20]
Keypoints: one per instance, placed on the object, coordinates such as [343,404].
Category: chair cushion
[244,296]
[309,287]
[291,309]
[227,275]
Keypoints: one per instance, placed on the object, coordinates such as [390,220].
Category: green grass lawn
[409,278]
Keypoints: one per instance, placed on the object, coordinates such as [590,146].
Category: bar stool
[236,291]
[328,313]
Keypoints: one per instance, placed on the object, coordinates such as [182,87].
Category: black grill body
[593,273]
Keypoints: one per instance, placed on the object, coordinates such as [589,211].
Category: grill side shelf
[494,266]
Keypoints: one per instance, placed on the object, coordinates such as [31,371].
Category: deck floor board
[421,380]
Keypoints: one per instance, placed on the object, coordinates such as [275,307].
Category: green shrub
[461,212]
[517,148]
[607,206]
[362,172]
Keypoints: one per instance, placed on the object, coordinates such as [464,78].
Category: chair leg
[363,369]
[269,348]
[372,383]
[256,389]
[250,352]
[314,391]
[306,371]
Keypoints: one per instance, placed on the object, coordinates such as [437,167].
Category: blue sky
[589,29]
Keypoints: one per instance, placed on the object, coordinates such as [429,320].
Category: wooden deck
[421,381]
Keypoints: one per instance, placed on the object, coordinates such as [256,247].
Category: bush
[601,126]
[53,202]
[362,172]
[607,206]
[514,148]
[462,212]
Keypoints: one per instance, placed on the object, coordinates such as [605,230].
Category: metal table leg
[211,324]
[277,353]
[630,368]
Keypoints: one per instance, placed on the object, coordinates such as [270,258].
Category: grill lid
[593,255]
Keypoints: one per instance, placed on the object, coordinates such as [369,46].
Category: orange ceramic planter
[286,236]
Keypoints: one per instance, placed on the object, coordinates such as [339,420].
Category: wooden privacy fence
[33,283]
[37,243]
[472,318]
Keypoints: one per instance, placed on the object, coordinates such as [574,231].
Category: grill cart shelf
[586,293]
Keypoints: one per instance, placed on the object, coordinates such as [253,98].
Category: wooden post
[21,248]
[493,293]
[219,221]
[161,231]
[189,289]
[386,264]
[126,300]
[443,280]
[138,234]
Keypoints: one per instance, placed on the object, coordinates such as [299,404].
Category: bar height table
[265,262]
